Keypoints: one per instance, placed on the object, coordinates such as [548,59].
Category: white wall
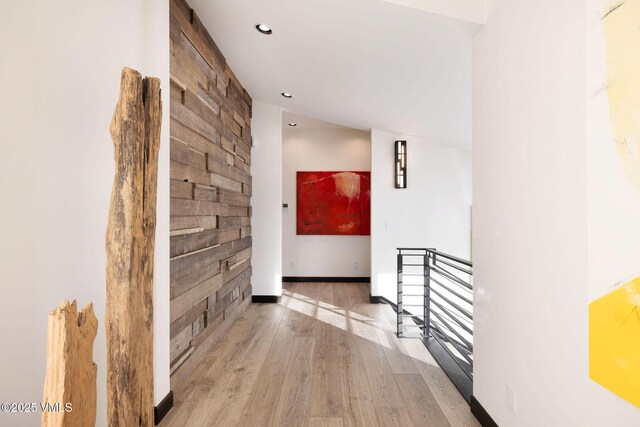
[60,77]
[530,220]
[322,150]
[434,211]
[156,45]
[266,200]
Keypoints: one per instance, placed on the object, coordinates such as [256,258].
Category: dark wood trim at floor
[296,279]
[376,299]
[481,414]
[163,408]
[266,299]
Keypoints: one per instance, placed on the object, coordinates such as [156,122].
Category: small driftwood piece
[130,244]
[71,373]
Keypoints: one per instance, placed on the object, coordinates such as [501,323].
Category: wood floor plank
[399,361]
[347,343]
[357,400]
[384,389]
[325,422]
[382,381]
[394,417]
[326,395]
[453,405]
[261,408]
[423,407]
[227,407]
[293,407]
[303,308]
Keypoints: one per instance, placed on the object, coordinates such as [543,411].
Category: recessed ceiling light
[293,124]
[287,95]
[264,29]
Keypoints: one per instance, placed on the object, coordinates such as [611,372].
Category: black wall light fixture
[401,164]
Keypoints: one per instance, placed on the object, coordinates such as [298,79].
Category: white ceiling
[366,64]
[467,10]
[307,123]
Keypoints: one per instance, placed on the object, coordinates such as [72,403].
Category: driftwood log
[130,241]
[71,373]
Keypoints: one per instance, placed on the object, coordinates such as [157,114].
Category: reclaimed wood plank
[180,343]
[186,173]
[181,190]
[194,296]
[229,235]
[183,264]
[205,192]
[195,276]
[184,207]
[192,222]
[226,183]
[199,42]
[209,130]
[243,277]
[182,153]
[233,222]
[196,141]
[188,318]
[226,170]
[233,197]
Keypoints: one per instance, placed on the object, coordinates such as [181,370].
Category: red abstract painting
[334,203]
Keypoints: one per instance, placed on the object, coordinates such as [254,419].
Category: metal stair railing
[435,304]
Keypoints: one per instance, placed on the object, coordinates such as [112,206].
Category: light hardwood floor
[323,357]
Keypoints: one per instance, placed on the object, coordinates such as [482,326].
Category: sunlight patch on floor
[370,328]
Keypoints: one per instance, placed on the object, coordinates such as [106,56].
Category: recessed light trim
[287,95]
[293,124]
[264,29]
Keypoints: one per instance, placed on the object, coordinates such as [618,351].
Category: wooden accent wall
[210,193]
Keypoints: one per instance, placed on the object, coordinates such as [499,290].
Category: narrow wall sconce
[401,164]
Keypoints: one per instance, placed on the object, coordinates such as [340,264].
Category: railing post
[427,295]
[400,309]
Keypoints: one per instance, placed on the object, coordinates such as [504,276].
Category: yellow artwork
[622,39]
[614,319]
[614,341]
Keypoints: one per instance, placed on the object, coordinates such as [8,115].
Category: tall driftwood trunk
[130,242]
[71,373]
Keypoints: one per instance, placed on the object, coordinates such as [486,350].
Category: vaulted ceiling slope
[472,11]
[366,64]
